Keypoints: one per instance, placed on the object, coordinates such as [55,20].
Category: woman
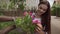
[44,12]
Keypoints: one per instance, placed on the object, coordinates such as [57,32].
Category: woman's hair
[46,16]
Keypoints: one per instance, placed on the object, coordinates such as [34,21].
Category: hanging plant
[21,6]
[19,3]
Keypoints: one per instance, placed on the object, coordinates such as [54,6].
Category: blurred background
[15,8]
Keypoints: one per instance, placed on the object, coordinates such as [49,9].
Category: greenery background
[55,10]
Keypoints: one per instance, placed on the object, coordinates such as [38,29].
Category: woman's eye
[40,7]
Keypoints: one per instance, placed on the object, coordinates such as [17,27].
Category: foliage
[3,5]
[56,10]
[5,24]
[21,6]
[17,2]
[26,24]
[53,10]
[12,4]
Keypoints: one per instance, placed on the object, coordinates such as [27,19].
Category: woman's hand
[39,29]
[39,26]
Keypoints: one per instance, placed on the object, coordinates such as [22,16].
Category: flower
[35,21]
[32,17]
[25,13]
[30,13]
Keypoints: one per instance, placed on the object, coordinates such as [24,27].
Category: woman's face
[42,8]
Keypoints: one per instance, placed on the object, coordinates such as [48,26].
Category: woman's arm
[6,18]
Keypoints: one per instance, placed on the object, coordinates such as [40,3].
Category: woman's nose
[40,10]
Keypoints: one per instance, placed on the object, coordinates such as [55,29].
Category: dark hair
[46,16]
